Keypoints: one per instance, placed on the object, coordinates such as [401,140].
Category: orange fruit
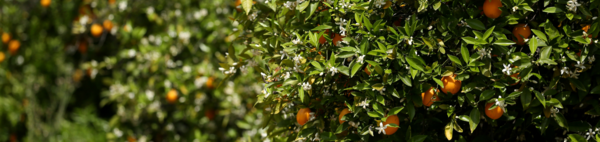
[323,40]
[391,119]
[131,139]
[210,83]
[172,96]
[13,46]
[521,30]
[107,24]
[5,37]
[586,28]
[82,47]
[337,38]
[13,138]
[2,56]
[427,95]
[450,84]
[344,112]
[494,113]
[96,30]
[112,1]
[45,3]
[515,75]
[303,116]
[210,113]
[491,8]
[367,71]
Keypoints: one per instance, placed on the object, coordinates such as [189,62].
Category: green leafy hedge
[377,57]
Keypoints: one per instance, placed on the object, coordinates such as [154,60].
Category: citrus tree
[118,70]
[423,70]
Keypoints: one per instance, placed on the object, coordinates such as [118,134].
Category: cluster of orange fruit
[13,45]
[97,30]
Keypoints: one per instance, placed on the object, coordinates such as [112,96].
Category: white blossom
[298,59]
[364,103]
[297,41]
[286,75]
[410,41]
[579,65]
[252,16]
[290,5]
[591,133]
[575,75]
[572,5]
[316,137]
[333,70]
[342,31]
[507,69]
[554,111]
[354,124]
[564,70]
[306,86]
[501,104]
[379,3]
[515,8]
[591,59]
[311,116]
[361,59]
[381,128]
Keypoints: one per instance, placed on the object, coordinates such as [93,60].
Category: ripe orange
[426,97]
[450,84]
[323,40]
[586,28]
[2,56]
[303,116]
[337,38]
[172,96]
[108,25]
[491,8]
[45,3]
[112,2]
[13,46]
[5,37]
[344,112]
[210,83]
[521,30]
[391,119]
[367,71]
[516,75]
[131,139]
[210,113]
[96,30]
[494,113]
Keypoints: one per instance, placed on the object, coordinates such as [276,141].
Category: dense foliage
[424,70]
[119,70]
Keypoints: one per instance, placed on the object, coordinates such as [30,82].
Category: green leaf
[488,33]
[321,27]
[526,98]
[465,53]
[454,59]
[487,94]
[560,119]
[471,40]
[418,138]
[448,130]
[577,138]
[553,10]
[540,97]
[411,110]
[439,82]
[582,40]
[415,63]
[301,94]
[540,34]
[504,42]
[303,6]
[475,117]
[476,64]
[395,110]
[405,78]
[475,24]
[355,68]
[247,5]
[533,45]
[375,114]
[317,65]
[578,84]
[545,53]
